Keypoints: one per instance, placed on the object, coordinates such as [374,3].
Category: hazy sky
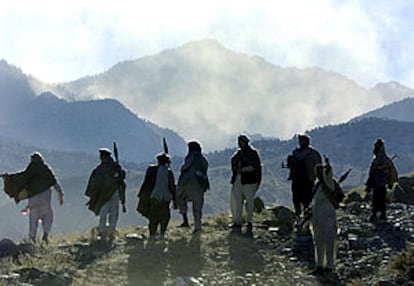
[368,41]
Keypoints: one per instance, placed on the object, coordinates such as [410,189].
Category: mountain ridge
[202,88]
[205,91]
[401,110]
[49,122]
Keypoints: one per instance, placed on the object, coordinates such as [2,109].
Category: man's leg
[307,194]
[183,208]
[33,223]
[103,213]
[113,212]
[296,198]
[165,218]
[382,201]
[47,221]
[198,203]
[236,201]
[248,192]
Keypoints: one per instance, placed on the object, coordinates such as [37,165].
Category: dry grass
[403,263]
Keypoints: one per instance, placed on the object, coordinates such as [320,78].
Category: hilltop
[207,91]
[275,254]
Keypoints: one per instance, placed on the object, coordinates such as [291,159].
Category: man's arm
[59,191]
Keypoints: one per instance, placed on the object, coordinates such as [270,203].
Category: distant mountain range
[48,122]
[203,90]
[402,110]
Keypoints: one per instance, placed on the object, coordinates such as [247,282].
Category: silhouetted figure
[382,174]
[35,183]
[103,189]
[156,193]
[192,184]
[302,164]
[246,177]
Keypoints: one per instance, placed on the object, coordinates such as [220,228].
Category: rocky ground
[274,253]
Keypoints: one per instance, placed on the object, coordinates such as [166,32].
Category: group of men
[106,188]
[193,182]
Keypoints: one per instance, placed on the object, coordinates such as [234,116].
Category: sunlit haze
[55,41]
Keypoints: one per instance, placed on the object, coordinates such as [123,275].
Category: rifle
[344,176]
[121,183]
[165,146]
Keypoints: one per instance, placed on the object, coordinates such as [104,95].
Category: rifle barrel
[116,152]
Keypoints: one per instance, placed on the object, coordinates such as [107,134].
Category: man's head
[163,158]
[243,140]
[194,145]
[104,153]
[36,156]
[303,140]
[378,146]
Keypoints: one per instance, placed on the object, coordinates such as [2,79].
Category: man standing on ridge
[34,183]
[192,184]
[156,193]
[382,174]
[104,189]
[302,164]
[246,177]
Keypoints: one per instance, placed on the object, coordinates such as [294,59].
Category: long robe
[105,180]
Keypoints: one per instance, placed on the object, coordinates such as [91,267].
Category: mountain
[15,89]
[49,122]
[206,91]
[391,91]
[401,110]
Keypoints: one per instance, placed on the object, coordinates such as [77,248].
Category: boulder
[283,220]
[258,205]
[8,248]
[404,191]
[353,197]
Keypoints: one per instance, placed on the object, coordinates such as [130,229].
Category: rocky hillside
[275,253]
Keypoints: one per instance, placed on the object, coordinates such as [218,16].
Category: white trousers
[109,212]
[240,194]
[43,214]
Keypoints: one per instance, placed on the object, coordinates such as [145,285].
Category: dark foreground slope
[275,254]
